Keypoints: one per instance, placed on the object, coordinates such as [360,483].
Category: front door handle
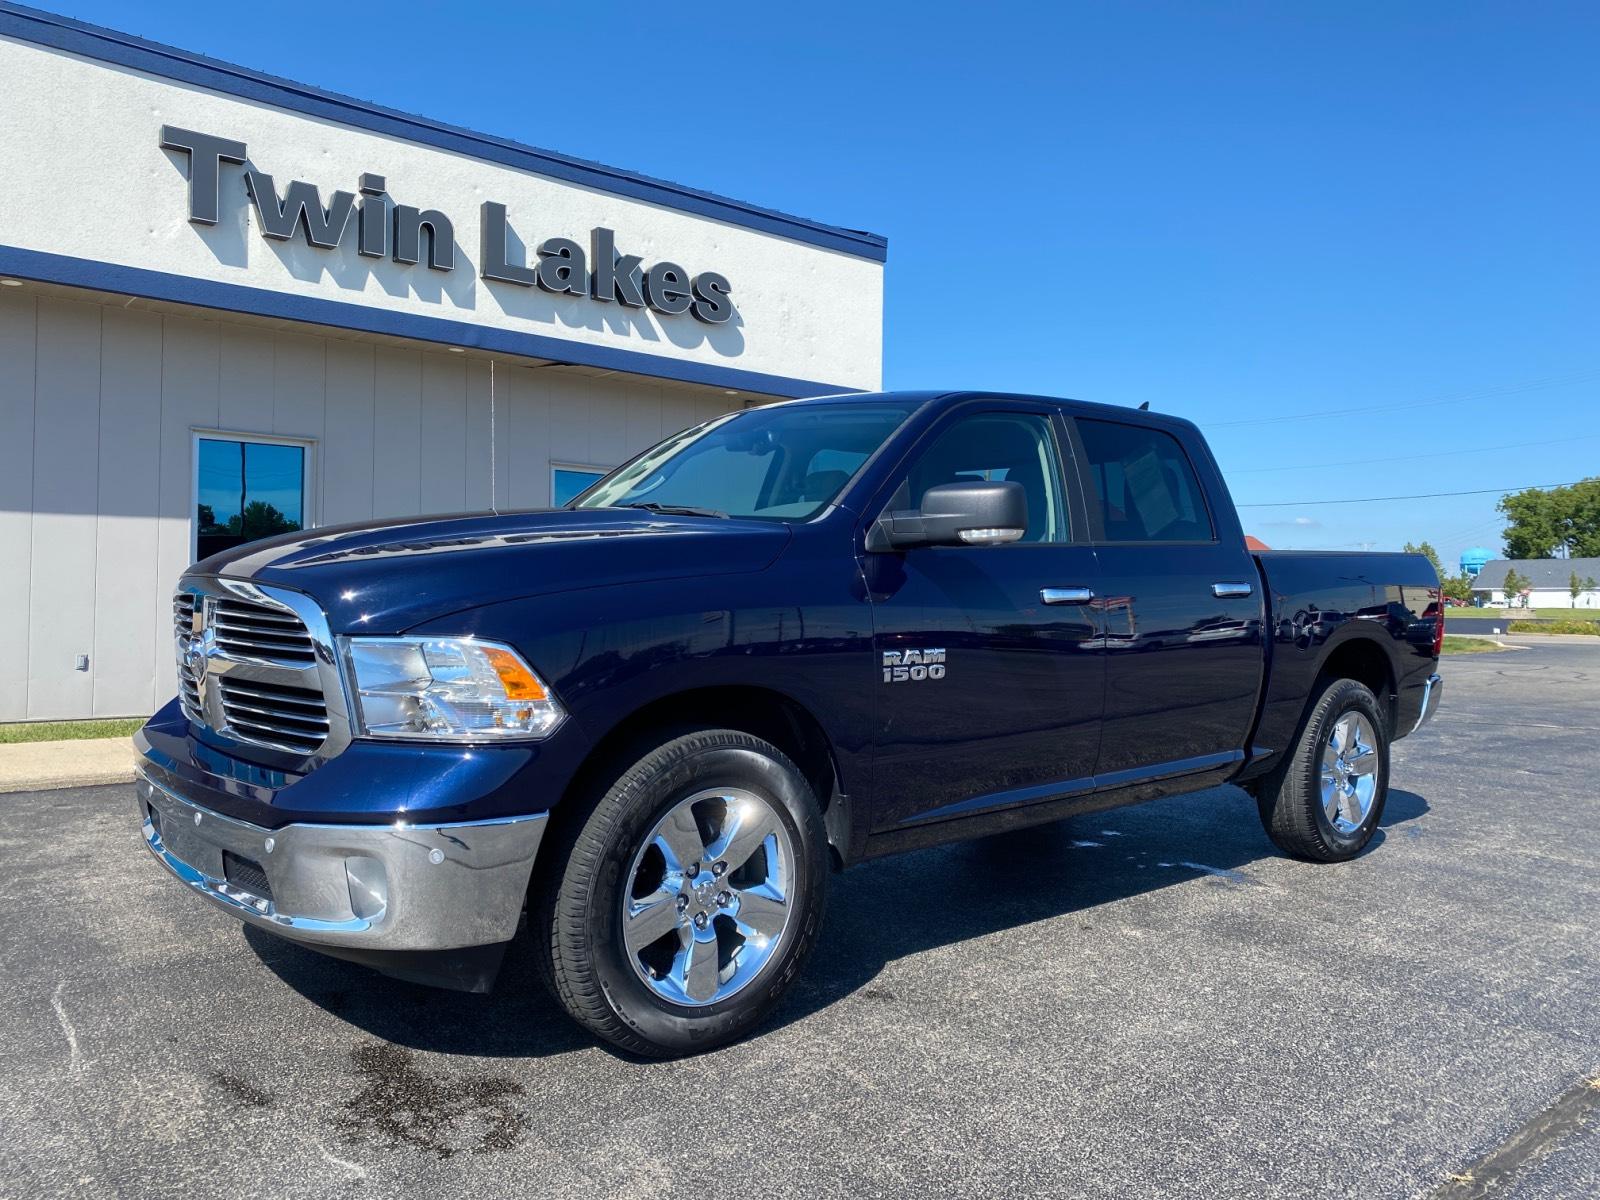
[1066,595]
[1231,590]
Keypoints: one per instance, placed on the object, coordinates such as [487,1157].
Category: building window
[247,489]
[567,481]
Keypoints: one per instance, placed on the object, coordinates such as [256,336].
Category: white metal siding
[98,408]
[18,345]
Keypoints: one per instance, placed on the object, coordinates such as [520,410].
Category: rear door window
[1146,486]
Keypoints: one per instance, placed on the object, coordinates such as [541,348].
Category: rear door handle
[1066,595]
[1231,590]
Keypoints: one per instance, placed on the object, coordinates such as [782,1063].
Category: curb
[50,766]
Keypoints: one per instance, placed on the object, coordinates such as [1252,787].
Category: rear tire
[688,895]
[1324,802]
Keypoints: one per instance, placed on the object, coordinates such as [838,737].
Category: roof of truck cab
[925,396]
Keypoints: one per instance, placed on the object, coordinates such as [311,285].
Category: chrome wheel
[1349,772]
[708,900]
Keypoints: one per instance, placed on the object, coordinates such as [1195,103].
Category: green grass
[60,731]
[1515,614]
[1468,645]
[1590,627]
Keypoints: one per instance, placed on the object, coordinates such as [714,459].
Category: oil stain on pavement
[242,1090]
[399,1104]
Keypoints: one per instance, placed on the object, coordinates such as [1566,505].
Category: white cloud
[1294,523]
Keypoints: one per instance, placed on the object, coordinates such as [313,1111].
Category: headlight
[451,689]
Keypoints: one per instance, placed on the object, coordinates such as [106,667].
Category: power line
[1336,411]
[1361,462]
[1417,496]
[1472,530]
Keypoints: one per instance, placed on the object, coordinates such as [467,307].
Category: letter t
[206,156]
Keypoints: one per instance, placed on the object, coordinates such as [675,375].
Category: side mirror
[955,514]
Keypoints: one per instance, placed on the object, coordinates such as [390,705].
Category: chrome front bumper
[393,887]
[1432,692]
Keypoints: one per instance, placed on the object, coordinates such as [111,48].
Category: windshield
[784,463]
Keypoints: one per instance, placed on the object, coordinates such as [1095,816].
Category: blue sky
[1329,234]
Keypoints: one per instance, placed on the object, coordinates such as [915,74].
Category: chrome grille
[182,626]
[248,630]
[271,714]
[260,669]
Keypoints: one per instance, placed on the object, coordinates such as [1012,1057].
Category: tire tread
[559,905]
[1289,799]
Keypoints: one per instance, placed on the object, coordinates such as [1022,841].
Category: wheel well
[766,714]
[1363,660]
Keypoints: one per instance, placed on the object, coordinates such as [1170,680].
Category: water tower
[1472,560]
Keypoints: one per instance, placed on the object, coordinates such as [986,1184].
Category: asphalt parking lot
[1150,1002]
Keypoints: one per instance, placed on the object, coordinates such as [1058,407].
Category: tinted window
[1017,447]
[1148,491]
[247,490]
[785,462]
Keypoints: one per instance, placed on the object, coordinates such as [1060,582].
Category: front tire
[1324,803]
[690,895]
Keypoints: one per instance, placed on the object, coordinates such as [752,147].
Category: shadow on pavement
[517,1020]
[896,907]
[878,912]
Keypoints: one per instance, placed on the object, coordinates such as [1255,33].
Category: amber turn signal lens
[514,677]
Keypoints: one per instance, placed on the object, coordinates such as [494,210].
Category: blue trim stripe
[232,297]
[125,50]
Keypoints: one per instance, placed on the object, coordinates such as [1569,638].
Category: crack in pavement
[1539,1136]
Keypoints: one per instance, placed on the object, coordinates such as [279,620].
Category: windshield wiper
[676,510]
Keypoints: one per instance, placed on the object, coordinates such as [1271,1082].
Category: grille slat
[244,688]
[274,714]
[257,613]
[260,629]
[275,739]
[257,631]
[307,724]
[255,643]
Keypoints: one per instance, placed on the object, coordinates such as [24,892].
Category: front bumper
[393,888]
[1432,693]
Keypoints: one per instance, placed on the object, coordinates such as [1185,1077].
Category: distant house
[1255,544]
[1549,581]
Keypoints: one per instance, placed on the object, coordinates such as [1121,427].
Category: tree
[1457,587]
[1513,587]
[260,519]
[1575,586]
[1555,522]
[1428,552]
[1589,584]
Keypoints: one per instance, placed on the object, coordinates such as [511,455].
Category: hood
[385,577]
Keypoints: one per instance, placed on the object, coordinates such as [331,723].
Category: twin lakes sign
[385,229]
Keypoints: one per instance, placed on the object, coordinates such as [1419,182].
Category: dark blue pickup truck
[779,643]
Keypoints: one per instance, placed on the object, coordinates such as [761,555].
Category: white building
[234,305]
[1549,583]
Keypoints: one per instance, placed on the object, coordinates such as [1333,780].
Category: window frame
[310,480]
[587,468]
[1066,451]
[1091,494]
